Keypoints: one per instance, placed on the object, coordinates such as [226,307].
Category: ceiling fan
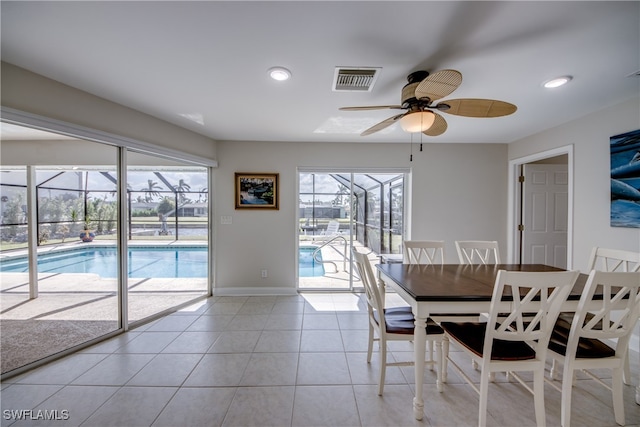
[419,96]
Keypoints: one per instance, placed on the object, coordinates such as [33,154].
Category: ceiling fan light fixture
[557,82]
[279,73]
[419,121]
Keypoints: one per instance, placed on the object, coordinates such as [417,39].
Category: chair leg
[484,395]
[383,365]
[626,374]
[538,397]
[567,386]
[370,346]
[445,358]
[430,348]
[618,402]
[553,373]
[439,359]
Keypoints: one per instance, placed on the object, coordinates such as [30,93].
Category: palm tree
[181,189]
[342,191]
[203,195]
[151,191]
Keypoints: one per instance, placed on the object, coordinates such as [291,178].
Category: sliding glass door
[58,288]
[344,209]
[69,226]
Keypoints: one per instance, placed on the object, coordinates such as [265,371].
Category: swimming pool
[143,262]
[307,266]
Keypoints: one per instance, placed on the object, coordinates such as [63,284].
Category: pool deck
[73,308]
[335,278]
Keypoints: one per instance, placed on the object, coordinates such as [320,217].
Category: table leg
[420,343]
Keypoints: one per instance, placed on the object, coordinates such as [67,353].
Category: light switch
[226,219]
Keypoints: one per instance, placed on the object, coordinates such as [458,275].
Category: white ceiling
[203,65]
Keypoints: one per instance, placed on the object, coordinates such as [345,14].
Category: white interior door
[545,214]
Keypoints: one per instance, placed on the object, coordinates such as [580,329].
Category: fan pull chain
[411,149]
[421,133]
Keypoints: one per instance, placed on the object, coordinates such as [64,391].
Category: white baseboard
[254,291]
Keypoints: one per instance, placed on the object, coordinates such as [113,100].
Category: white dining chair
[431,252]
[604,259]
[517,341]
[392,324]
[423,251]
[478,251]
[598,338]
[609,260]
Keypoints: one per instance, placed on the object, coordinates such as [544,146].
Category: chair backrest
[534,300]
[478,252]
[604,259]
[375,298]
[621,293]
[423,251]
[332,228]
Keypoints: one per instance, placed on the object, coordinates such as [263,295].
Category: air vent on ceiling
[351,79]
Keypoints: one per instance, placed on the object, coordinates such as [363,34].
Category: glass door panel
[168,234]
[340,210]
[324,229]
[73,295]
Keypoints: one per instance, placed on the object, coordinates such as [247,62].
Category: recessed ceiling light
[279,73]
[557,82]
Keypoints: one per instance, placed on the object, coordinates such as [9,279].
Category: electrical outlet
[263,273]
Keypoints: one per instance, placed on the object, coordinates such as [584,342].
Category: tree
[151,190]
[203,195]
[340,194]
[166,206]
[181,189]
[14,215]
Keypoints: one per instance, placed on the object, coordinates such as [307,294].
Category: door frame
[515,194]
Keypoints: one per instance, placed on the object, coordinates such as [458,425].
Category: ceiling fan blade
[479,107]
[383,124]
[439,84]
[373,107]
[438,127]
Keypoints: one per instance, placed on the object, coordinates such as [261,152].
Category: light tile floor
[270,361]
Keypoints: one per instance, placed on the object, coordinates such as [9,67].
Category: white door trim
[514,210]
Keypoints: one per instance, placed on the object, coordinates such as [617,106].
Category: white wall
[458,192]
[32,93]
[590,138]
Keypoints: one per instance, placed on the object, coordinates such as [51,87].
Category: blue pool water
[147,262]
[307,266]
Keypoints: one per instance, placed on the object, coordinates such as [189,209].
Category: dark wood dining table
[451,288]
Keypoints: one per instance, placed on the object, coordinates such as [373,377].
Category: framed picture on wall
[625,179]
[257,190]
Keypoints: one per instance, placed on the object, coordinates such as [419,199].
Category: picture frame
[257,190]
[625,179]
